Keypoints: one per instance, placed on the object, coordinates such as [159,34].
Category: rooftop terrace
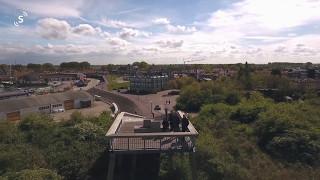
[128,134]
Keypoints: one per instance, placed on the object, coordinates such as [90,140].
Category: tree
[288,132]
[35,174]
[84,65]
[48,67]
[276,72]
[244,76]
[141,65]
[34,67]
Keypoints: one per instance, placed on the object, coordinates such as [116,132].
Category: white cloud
[113,23]
[85,29]
[259,30]
[51,28]
[181,29]
[151,49]
[260,16]
[128,33]
[170,43]
[114,41]
[280,49]
[161,21]
[54,8]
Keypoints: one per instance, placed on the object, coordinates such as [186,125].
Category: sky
[159,32]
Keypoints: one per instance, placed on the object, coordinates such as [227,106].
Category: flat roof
[15,104]
[12,93]
[125,123]
[123,139]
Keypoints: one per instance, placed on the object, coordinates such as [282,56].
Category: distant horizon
[175,64]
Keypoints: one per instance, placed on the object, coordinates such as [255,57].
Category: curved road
[136,104]
[124,104]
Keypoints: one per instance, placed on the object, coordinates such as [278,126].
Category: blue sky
[167,31]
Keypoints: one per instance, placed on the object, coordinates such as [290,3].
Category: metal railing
[152,142]
[149,142]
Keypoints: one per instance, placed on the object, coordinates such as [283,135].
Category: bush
[289,132]
[34,174]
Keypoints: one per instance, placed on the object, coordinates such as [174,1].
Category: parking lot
[148,102]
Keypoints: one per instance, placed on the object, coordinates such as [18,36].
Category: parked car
[174,92]
[57,110]
[157,108]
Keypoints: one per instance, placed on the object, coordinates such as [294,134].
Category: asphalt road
[124,104]
[136,104]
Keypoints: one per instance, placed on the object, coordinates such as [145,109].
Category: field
[116,82]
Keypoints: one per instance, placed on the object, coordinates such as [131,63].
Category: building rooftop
[127,135]
[10,105]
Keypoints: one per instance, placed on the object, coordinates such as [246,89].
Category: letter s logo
[20,19]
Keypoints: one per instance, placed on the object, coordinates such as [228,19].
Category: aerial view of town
[160,90]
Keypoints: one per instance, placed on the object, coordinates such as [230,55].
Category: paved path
[145,102]
[92,83]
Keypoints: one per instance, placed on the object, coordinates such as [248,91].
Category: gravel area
[97,108]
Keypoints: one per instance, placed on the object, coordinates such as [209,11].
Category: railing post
[111,144]
[160,144]
[144,143]
[128,144]
[176,142]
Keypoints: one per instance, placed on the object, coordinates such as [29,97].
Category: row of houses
[300,73]
[17,108]
[43,78]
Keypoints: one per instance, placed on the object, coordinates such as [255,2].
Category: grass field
[115,84]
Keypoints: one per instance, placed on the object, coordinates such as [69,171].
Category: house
[61,76]
[297,73]
[44,78]
[31,79]
[17,108]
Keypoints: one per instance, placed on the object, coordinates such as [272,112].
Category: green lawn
[113,84]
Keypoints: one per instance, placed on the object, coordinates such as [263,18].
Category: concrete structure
[18,108]
[148,83]
[133,134]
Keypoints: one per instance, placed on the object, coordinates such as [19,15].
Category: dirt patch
[97,108]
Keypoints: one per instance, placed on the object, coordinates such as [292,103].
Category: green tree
[34,67]
[48,67]
[34,174]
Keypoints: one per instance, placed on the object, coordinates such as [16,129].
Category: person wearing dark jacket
[184,123]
